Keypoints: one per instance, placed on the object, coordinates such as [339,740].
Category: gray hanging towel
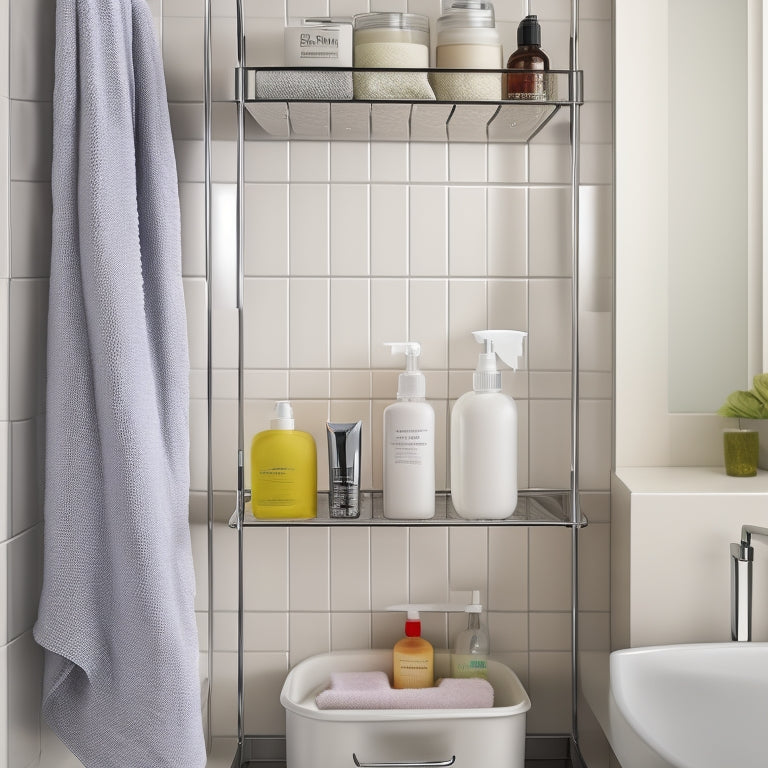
[116,618]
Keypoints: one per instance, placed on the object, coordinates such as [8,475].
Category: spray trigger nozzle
[507,345]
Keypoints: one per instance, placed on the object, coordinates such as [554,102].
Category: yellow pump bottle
[283,470]
[413,658]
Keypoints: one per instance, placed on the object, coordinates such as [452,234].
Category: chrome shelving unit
[546,507]
[396,120]
[412,121]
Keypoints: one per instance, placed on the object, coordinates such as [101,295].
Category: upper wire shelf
[321,104]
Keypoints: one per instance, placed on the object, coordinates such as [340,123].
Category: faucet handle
[748,531]
[742,552]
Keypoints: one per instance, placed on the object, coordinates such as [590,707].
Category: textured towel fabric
[369,693]
[290,85]
[384,86]
[359,681]
[116,617]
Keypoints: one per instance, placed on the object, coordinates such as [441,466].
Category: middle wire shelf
[544,507]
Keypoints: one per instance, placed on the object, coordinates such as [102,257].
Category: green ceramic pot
[761,427]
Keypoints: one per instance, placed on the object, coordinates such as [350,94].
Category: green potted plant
[751,409]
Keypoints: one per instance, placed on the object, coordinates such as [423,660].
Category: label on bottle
[528,86]
[408,444]
[277,487]
[469,665]
[413,671]
[409,461]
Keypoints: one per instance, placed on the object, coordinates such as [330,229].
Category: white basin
[703,705]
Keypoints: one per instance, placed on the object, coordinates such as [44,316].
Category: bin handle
[407,764]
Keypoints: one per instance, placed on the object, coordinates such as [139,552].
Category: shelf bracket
[241,85]
[576,81]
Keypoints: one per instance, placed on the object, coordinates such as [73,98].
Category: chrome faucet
[742,555]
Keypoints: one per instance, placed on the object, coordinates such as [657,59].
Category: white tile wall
[5,285]
[26,475]
[389,318]
[30,236]
[389,240]
[28,304]
[266,229]
[192,204]
[24,680]
[467,231]
[31,74]
[5,119]
[32,138]
[26,84]
[24,580]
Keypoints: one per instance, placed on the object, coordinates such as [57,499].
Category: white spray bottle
[484,435]
[409,444]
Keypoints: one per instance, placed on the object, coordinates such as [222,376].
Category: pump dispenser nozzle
[529,31]
[474,606]
[282,415]
[413,624]
[508,345]
[410,384]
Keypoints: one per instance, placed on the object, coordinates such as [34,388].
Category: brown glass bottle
[528,84]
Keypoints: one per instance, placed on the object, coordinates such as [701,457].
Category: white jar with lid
[467,38]
[391,41]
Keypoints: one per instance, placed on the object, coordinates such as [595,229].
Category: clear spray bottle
[470,651]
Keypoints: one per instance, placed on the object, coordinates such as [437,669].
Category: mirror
[714,208]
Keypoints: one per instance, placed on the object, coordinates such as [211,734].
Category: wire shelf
[534,507]
[297,117]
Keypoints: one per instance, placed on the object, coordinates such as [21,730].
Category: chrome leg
[741,591]
[742,555]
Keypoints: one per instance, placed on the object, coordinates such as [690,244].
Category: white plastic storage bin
[464,738]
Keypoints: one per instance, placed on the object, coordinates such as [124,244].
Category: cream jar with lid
[467,38]
[391,41]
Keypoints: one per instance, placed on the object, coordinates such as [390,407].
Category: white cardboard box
[318,43]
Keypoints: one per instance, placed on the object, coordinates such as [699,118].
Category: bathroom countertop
[690,480]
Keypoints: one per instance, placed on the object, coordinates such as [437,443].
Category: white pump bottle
[484,435]
[409,444]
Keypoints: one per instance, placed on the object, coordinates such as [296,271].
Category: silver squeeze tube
[344,469]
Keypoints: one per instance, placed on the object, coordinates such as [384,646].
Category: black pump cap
[529,31]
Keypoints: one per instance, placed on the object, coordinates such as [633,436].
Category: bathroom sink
[702,705]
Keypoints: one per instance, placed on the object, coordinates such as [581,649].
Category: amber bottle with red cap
[413,658]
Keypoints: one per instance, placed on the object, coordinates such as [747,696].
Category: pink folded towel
[359,681]
[371,690]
